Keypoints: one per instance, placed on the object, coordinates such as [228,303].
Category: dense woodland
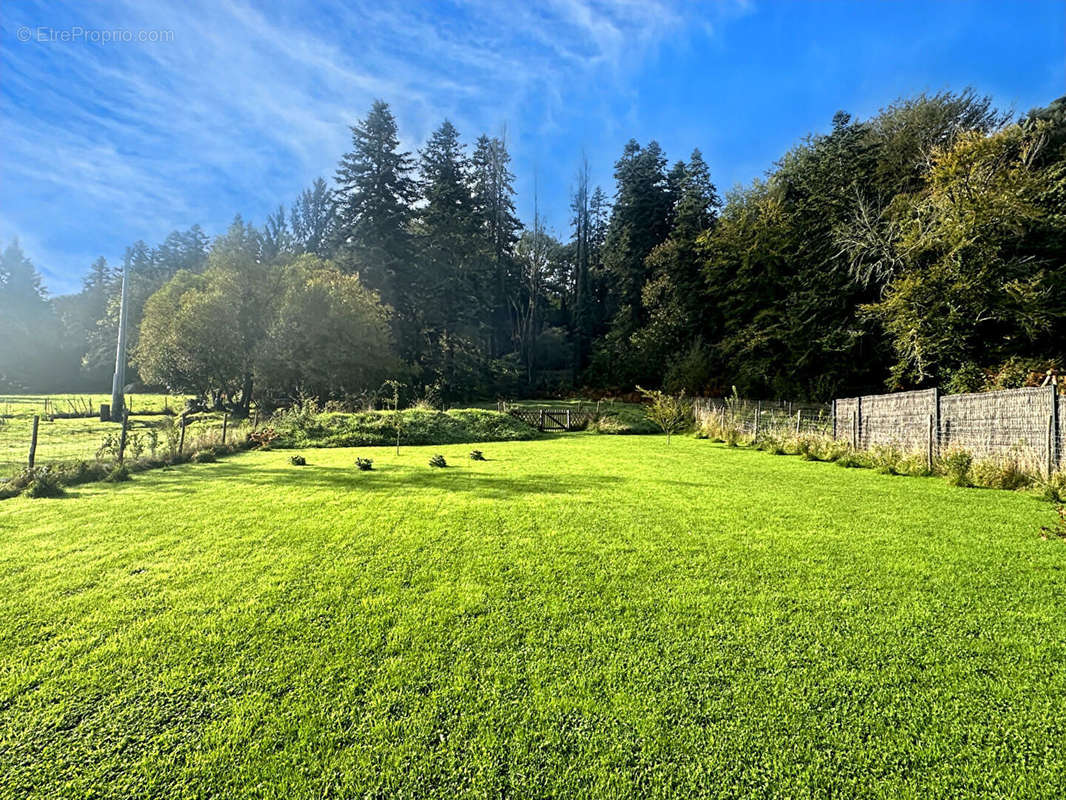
[924,246]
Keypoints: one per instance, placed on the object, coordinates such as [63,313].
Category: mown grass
[577,617]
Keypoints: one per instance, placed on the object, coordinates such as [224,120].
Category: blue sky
[235,107]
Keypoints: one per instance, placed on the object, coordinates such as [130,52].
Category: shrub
[81,472]
[203,457]
[264,437]
[477,455]
[773,444]
[365,464]
[438,461]
[732,435]
[606,424]
[887,459]
[956,465]
[298,461]
[852,459]
[1005,472]
[44,482]
[118,474]
[135,445]
[1054,488]
[108,449]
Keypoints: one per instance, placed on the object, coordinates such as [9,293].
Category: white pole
[118,382]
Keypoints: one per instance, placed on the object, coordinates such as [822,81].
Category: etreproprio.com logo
[75,34]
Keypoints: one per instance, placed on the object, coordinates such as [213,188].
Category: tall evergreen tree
[493,185]
[27,324]
[640,220]
[374,197]
[669,341]
[449,286]
[582,320]
[311,220]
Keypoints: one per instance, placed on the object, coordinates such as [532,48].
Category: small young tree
[397,415]
[672,413]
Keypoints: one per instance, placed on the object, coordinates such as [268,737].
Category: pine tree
[27,323]
[373,199]
[312,220]
[640,220]
[449,283]
[581,322]
[493,185]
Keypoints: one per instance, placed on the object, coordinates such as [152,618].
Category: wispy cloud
[244,105]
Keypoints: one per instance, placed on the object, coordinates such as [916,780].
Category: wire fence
[36,440]
[757,418]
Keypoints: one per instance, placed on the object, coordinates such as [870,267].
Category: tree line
[922,246]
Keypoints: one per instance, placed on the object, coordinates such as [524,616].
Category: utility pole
[118,383]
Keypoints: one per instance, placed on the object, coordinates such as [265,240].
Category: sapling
[397,416]
[672,413]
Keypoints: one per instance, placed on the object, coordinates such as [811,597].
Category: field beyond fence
[67,434]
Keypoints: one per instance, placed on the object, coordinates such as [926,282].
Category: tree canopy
[922,246]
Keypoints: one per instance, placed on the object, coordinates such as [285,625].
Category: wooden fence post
[122,436]
[568,419]
[33,440]
[834,418]
[181,440]
[758,413]
[854,430]
[225,425]
[798,415]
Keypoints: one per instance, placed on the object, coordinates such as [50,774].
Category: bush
[298,461]
[203,457]
[956,465]
[438,461]
[606,424]
[773,444]
[44,482]
[852,459]
[1004,472]
[1054,488]
[732,435]
[477,455]
[365,464]
[119,474]
[264,437]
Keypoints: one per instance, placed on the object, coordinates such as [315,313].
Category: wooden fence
[1026,424]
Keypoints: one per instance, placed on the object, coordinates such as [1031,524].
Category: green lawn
[578,617]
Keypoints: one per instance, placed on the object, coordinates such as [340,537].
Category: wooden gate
[551,419]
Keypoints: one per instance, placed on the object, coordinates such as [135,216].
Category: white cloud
[114,142]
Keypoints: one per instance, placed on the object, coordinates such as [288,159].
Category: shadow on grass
[401,478]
